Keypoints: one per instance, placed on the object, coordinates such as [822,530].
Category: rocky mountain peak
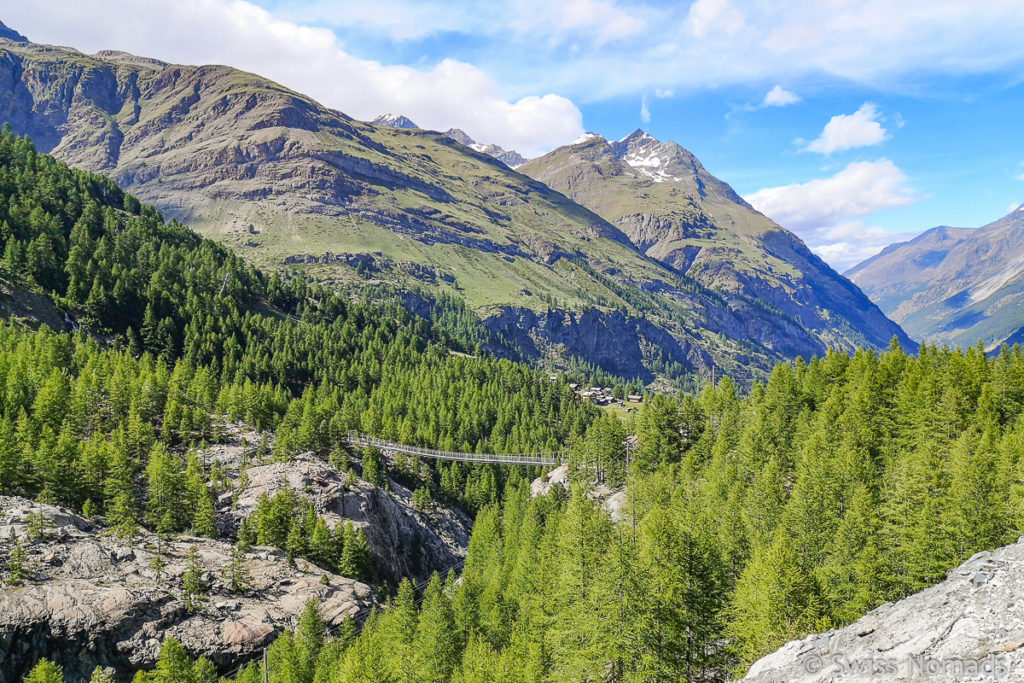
[394,121]
[510,158]
[637,138]
[9,33]
[657,160]
[460,136]
[588,138]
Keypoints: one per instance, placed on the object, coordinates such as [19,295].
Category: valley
[292,397]
[292,185]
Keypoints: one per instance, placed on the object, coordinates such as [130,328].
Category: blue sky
[854,123]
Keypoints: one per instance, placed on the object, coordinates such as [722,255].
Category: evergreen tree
[192,585]
[173,665]
[435,645]
[166,487]
[45,672]
[236,572]
[16,569]
[100,675]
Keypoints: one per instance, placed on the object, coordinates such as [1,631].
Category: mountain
[953,285]
[661,197]
[394,121]
[291,184]
[510,158]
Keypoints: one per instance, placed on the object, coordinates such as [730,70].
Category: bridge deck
[524,459]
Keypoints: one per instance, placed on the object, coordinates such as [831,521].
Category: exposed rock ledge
[93,600]
[612,499]
[970,627]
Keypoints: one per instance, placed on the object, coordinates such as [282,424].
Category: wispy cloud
[645,112]
[526,59]
[709,17]
[552,23]
[847,131]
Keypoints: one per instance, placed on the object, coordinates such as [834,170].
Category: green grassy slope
[290,183]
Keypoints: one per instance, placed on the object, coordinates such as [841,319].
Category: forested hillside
[186,339]
[291,184]
[838,484]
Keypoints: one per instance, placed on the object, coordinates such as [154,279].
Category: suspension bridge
[525,459]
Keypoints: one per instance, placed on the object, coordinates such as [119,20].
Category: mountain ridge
[676,212]
[510,158]
[953,285]
[289,183]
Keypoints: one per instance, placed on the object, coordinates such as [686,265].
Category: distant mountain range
[953,285]
[650,267]
[510,158]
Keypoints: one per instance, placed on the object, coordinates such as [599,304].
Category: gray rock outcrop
[970,627]
[612,499]
[91,599]
[404,541]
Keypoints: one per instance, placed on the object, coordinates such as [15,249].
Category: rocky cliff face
[621,345]
[953,285]
[404,541]
[91,599]
[970,627]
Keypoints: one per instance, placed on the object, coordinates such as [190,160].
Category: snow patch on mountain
[651,166]
[586,137]
[510,158]
[394,121]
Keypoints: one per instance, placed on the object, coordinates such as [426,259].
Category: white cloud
[661,93]
[848,244]
[310,60]
[824,211]
[602,21]
[779,97]
[1019,177]
[584,49]
[708,17]
[860,189]
[875,43]
[847,131]
[645,112]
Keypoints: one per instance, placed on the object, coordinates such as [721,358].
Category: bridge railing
[523,459]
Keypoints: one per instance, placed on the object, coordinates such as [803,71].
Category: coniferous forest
[753,515]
